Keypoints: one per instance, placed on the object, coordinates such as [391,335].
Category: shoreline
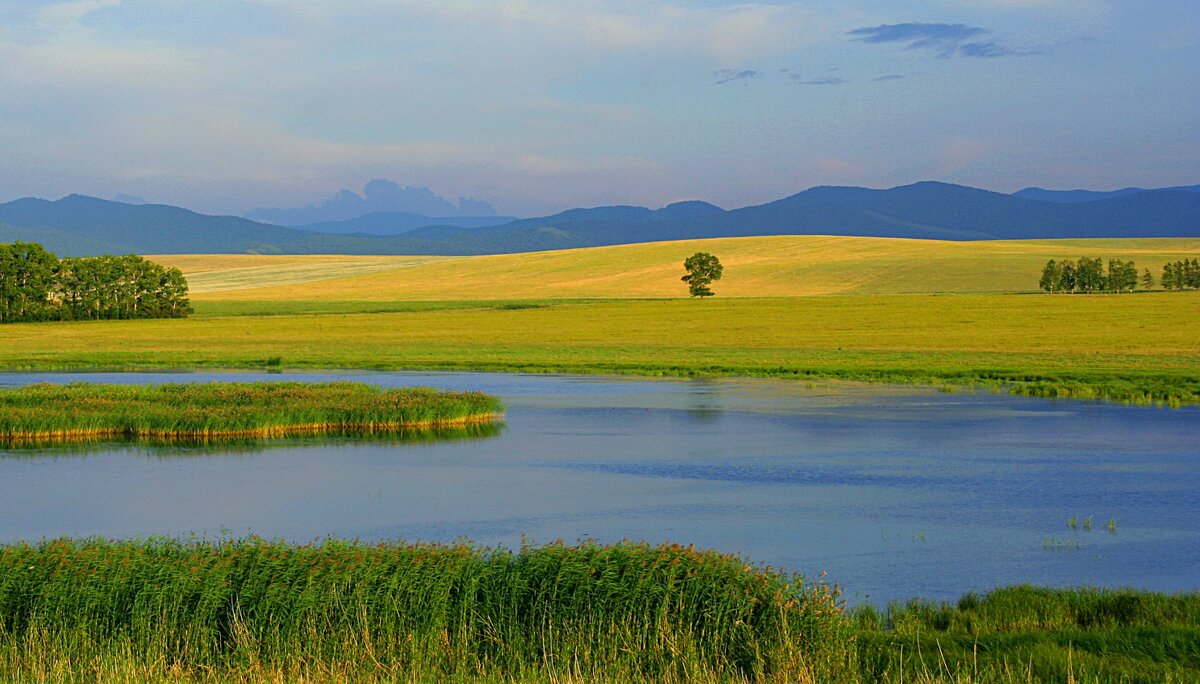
[1132,389]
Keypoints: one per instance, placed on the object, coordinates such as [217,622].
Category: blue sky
[225,105]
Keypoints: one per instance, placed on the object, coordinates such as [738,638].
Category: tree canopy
[35,285]
[1088,275]
[1181,275]
[702,269]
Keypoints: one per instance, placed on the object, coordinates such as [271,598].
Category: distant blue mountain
[1077,196]
[377,196]
[78,225]
[399,222]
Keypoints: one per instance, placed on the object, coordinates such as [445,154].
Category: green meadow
[1138,347]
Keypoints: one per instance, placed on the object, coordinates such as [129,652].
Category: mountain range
[80,225]
[1075,196]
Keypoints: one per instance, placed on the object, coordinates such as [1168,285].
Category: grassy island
[82,411]
[253,610]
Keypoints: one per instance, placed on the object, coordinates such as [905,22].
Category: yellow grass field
[887,310]
[779,266]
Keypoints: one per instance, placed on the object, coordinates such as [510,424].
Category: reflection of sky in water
[895,491]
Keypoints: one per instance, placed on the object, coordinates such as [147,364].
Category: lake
[894,491]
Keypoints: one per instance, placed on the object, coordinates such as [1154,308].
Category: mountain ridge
[81,225]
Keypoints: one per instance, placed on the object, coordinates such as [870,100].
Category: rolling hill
[78,225]
[754,267]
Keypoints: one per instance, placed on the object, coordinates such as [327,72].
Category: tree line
[35,285]
[1088,275]
[1181,275]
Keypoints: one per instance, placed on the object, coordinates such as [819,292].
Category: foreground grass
[1020,634]
[1139,348]
[87,610]
[209,410]
[253,610]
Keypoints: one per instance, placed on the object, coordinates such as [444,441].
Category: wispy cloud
[64,14]
[730,75]
[888,77]
[828,80]
[943,40]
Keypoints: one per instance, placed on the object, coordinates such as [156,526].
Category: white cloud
[66,14]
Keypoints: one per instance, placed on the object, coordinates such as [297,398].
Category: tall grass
[254,608]
[165,447]
[1024,633]
[208,410]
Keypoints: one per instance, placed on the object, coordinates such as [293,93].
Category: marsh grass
[1023,633]
[205,411]
[254,610]
[167,447]
[335,610]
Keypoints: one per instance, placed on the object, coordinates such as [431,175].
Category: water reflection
[704,402]
[175,447]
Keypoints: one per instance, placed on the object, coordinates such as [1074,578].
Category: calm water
[896,492]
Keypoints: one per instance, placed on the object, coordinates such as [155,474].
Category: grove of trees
[1089,275]
[1181,275]
[35,285]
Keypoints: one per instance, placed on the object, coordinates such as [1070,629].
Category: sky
[223,106]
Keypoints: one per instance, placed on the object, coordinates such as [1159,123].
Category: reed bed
[165,448]
[203,411]
[1024,634]
[254,609]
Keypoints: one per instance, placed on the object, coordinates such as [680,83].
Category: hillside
[78,225]
[754,267]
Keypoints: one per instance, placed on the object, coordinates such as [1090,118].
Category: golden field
[783,266]
[883,310]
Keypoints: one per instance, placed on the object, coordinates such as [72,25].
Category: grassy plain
[774,266]
[81,411]
[1137,347]
[838,307]
[252,610]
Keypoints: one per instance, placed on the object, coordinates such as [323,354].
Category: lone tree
[702,269]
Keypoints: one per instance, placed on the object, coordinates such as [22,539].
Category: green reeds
[411,612]
[1024,633]
[252,610]
[199,411]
